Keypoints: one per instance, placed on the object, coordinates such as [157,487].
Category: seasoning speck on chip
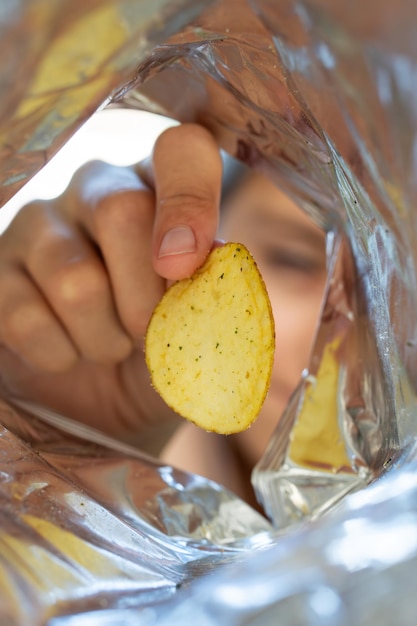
[210,342]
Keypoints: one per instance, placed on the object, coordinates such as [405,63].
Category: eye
[293,260]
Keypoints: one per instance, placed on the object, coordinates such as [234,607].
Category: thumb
[187,171]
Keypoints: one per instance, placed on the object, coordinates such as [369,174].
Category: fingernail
[178,240]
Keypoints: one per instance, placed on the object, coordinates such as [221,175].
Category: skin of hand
[80,276]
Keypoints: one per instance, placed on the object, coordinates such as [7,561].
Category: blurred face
[290,253]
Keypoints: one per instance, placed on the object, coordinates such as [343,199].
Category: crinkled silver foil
[61,62]
[321,96]
[87,522]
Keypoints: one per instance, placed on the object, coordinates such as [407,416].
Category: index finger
[187,172]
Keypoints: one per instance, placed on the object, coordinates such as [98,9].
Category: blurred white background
[118,136]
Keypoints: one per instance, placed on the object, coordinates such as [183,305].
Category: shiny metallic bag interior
[322,97]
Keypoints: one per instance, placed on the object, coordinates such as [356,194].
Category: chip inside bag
[210,342]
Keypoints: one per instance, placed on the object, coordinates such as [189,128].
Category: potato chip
[210,342]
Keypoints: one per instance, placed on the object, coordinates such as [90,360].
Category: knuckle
[46,244]
[123,211]
[27,220]
[32,211]
[79,284]
[26,331]
[98,181]
[86,171]
[22,323]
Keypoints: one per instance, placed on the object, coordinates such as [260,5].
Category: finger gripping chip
[210,343]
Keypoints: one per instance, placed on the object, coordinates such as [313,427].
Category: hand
[80,276]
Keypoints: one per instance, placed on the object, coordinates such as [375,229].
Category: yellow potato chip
[210,342]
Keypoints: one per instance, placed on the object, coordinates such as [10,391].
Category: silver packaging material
[88,522]
[321,96]
[63,59]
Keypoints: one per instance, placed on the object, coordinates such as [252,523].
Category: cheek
[296,318]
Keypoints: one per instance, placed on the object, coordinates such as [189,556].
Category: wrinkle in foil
[85,525]
[321,96]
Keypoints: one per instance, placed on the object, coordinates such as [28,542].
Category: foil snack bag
[322,98]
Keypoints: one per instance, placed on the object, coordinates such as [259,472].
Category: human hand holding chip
[81,274]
